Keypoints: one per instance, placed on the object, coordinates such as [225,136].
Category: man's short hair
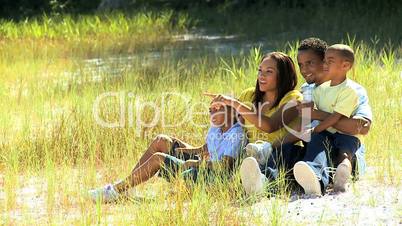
[345,51]
[315,44]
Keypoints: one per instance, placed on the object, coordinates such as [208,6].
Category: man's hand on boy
[318,115]
[301,105]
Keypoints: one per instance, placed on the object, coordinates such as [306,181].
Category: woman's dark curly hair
[286,79]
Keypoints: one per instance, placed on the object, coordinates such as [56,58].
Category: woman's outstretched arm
[262,122]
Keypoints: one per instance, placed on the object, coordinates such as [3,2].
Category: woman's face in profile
[267,75]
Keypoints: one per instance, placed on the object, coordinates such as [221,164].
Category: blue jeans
[359,162]
[323,147]
[293,153]
[283,158]
[173,164]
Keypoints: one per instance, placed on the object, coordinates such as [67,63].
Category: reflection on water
[187,46]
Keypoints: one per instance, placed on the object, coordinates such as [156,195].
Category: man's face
[310,65]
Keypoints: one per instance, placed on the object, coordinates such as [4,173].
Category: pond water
[189,47]
[183,47]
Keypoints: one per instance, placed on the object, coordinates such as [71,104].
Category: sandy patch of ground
[365,203]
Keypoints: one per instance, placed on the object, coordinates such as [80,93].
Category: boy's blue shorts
[173,168]
[173,165]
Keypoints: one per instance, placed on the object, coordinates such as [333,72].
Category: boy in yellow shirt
[341,100]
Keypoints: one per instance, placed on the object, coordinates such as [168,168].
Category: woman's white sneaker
[251,177]
[260,150]
[306,177]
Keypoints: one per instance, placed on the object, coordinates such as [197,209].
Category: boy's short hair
[315,44]
[345,51]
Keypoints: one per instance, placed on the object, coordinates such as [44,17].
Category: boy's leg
[143,172]
[110,192]
[346,147]
[162,143]
[358,163]
[312,173]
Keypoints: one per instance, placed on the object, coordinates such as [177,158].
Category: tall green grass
[88,35]
[72,27]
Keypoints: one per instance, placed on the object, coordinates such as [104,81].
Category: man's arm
[265,123]
[351,126]
[328,122]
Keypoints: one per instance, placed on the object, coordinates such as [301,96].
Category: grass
[48,37]
[51,144]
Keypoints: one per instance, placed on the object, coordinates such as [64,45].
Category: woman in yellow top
[263,115]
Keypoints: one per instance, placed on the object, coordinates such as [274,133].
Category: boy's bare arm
[351,126]
[328,122]
[194,150]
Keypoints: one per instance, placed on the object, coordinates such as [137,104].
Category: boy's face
[335,64]
[218,114]
[310,65]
